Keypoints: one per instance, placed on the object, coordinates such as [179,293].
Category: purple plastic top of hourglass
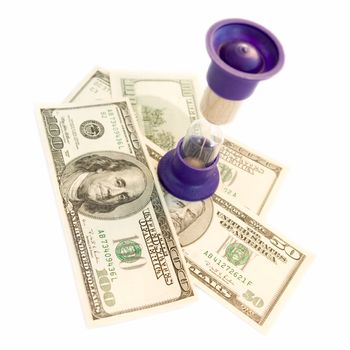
[242,53]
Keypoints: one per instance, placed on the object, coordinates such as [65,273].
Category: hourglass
[242,53]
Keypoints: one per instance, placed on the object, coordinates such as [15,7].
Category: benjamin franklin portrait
[106,185]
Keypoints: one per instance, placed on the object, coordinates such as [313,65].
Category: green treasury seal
[237,254]
[128,251]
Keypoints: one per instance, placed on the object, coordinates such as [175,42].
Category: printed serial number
[228,268]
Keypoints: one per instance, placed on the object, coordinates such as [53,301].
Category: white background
[298,118]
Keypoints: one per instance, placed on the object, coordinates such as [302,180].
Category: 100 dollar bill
[121,237]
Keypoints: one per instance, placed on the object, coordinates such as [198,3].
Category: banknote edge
[77,89]
[77,276]
[287,294]
[114,74]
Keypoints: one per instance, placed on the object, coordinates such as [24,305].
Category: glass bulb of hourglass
[201,144]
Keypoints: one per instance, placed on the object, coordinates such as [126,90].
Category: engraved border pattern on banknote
[255,158]
[186,86]
[99,75]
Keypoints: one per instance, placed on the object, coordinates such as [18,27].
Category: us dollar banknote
[166,106]
[233,255]
[121,237]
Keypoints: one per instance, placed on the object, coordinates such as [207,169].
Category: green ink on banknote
[227,174]
[237,254]
[128,251]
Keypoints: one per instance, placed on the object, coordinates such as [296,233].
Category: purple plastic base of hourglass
[184,181]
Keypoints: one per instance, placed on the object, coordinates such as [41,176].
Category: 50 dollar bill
[233,255]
